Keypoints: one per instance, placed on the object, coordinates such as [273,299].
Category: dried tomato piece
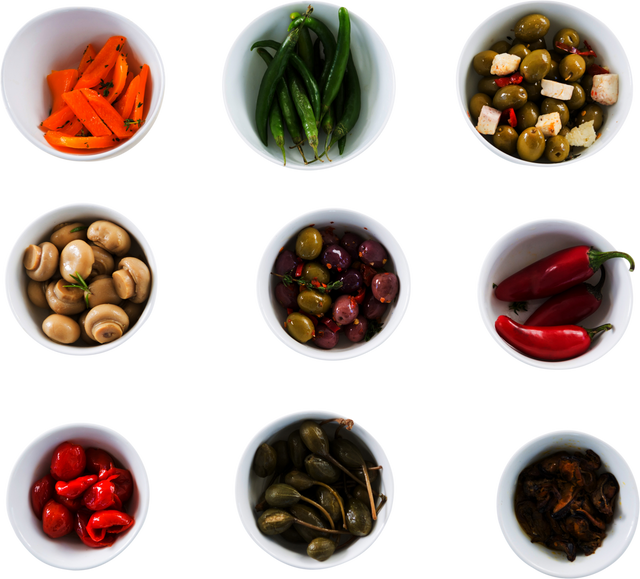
[597,69]
[509,116]
[574,50]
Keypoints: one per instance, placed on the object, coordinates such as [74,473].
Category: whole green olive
[567,36]
[534,91]
[535,66]
[519,50]
[309,243]
[587,84]
[527,116]
[505,139]
[488,85]
[572,68]
[591,112]
[539,44]
[578,97]
[511,96]
[554,72]
[531,27]
[313,302]
[300,327]
[501,46]
[482,62]
[531,144]
[564,131]
[550,105]
[557,149]
[476,103]
[314,270]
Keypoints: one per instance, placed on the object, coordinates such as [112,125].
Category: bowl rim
[461,71]
[507,481]
[154,110]
[247,458]
[391,324]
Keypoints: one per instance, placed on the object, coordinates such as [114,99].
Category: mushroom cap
[134,311]
[83,333]
[61,329]
[41,261]
[65,300]
[132,280]
[109,236]
[37,293]
[62,234]
[103,263]
[106,323]
[103,291]
[76,257]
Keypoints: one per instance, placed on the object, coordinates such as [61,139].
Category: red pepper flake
[574,50]
[299,268]
[597,69]
[280,249]
[330,324]
[315,282]
[328,266]
[313,318]
[359,297]
[515,78]
[509,116]
[312,225]
[365,229]
[290,311]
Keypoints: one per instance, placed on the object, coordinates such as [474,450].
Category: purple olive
[384,287]
[286,262]
[325,338]
[345,310]
[356,330]
[336,257]
[328,236]
[352,280]
[351,242]
[373,308]
[287,296]
[372,253]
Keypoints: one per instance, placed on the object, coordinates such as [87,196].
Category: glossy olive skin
[505,139]
[557,149]
[566,36]
[564,131]
[531,144]
[300,327]
[476,103]
[534,91]
[554,72]
[488,85]
[309,243]
[527,116]
[531,27]
[539,44]
[511,96]
[321,548]
[591,112]
[482,62]
[501,46]
[535,66]
[264,460]
[519,50]
[313,302]
[359,521]
[287,296]
[578,97]
[315,270]
[325,338]
[550,105]
[572,68]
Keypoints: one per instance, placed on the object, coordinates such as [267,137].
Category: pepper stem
[597,258]
[603,328]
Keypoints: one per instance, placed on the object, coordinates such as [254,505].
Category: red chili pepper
[509,116]
[98,460]
[359,297]
[68,461]
[290,311]
[315,283]
[571,306]
[330,324]
[42,492]
[124,483]
[75,487]
[57,520]
[299,269]
[515,78]
[597,69]
[314,319]
[555,273]
[82,518]
[103,522]
[548,343]
[574,50]
[102,495]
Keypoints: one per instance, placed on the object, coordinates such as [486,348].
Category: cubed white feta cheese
[550,124]
[582,136]
[605,89]
[556,90]
[488,120]
[504,64]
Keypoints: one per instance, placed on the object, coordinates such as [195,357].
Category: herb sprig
[81,285]
[372,329]
[516,307]
[322,288]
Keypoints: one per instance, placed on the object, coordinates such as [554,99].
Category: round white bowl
[34,463]
[56,40]
[244,70]
[249,487]
[605,43]
[619,533]
[533,241]
[29,316]
[342,220]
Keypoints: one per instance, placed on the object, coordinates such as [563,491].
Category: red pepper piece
[314,319]
[597,69]
[124,483]
[359,297]
[315,282]
[290,311]
[368,273]
[571,306]
[102,495]
[548,343]
[72,504]
[82,518]
[555,273]
[515,78]
[103,522]
[509,116]
[68,461]
[574,50]
[330,324]
[75,487]
[98,461]
[299,269]
[42,492]
[57,520]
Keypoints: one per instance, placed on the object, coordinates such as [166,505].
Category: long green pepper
[305,46]
[326,37]
[339,63]
[305,111]
[352,104]
[276,124]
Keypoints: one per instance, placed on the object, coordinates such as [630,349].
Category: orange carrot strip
[138,106]
[56,139]
[88,56]
[106,112]
[61,81]
[73,128]
[121,70]
[57,120]
[87,116]
[125,105]
[102,63]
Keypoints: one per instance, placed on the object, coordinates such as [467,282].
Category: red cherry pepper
[42,492]
[548,343]
[571,306]
[57,520]
[124,482]
[68,461]
[76,487]
[102,495]
[104,522]
[72,504]
[555,273]
[515,78]
[98,460]
[82,518]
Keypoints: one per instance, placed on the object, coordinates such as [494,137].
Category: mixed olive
[320,490]
[332,286]
[87,276]
[540,102]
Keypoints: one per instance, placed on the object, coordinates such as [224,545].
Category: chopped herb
[118,48]
[66,123]
[515,307]
[287,280]
[139,105]
[495,286]
[128,122]
[81,285]
[76,229]
[90,60]
[372,329]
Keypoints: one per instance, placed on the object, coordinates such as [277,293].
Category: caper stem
[321,509]
[310,526]
[383,500]
[338,498]
[334,462]
[365,471]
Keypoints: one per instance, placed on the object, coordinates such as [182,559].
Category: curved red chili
[104,522]
[82,518]
[75,487]
[102,495]
[124,482]
[555,273]
[571,306]
[548,343]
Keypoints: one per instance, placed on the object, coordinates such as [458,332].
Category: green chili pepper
[318,61]
[277,128]
[338,66]
[339,107]
[305,111]
[352,104]
[305,45]
[326,37]
[328,125]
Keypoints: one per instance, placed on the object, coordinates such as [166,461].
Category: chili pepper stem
[302,153]
[597,258]
[326,142]
[603,328]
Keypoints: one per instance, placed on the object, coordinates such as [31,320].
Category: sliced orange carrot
[57,139]
[73,128]
[121,69]
[88,56]
[125,105]
[87,116]
[106,112]
[57,120]
[102,63]
[138,106]
[61,81]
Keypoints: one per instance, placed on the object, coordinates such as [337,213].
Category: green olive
[313,302]
[554,72]
[309,243]
[557,149]
[511,96]
[531,27]
[567,36]
[535,66]
[531,144]
[527,116]
[534,91]
[550,105]
[564,131]
[488,85]
[578,97]
[592,112]
[519,50]
[572,68]
[587,84]
[505,139]
[300,327]
[478,101]
[482,62]
[315,270]
[539,44]
[501,46]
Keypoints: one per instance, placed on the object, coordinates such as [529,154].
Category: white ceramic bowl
[619,534]
[244,70]
[342,220]
[533,241]
[249,487]
[31,317]
[55,41]
[605,43]
[34,463]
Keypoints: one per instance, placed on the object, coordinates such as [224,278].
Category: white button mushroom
[76,257]
[103,291]
[65,300]
[106,323]
[41,261]
[68,232]
[109,236]
[134,311]
[132,280]
[103,263]
[37,292]
[61,329]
